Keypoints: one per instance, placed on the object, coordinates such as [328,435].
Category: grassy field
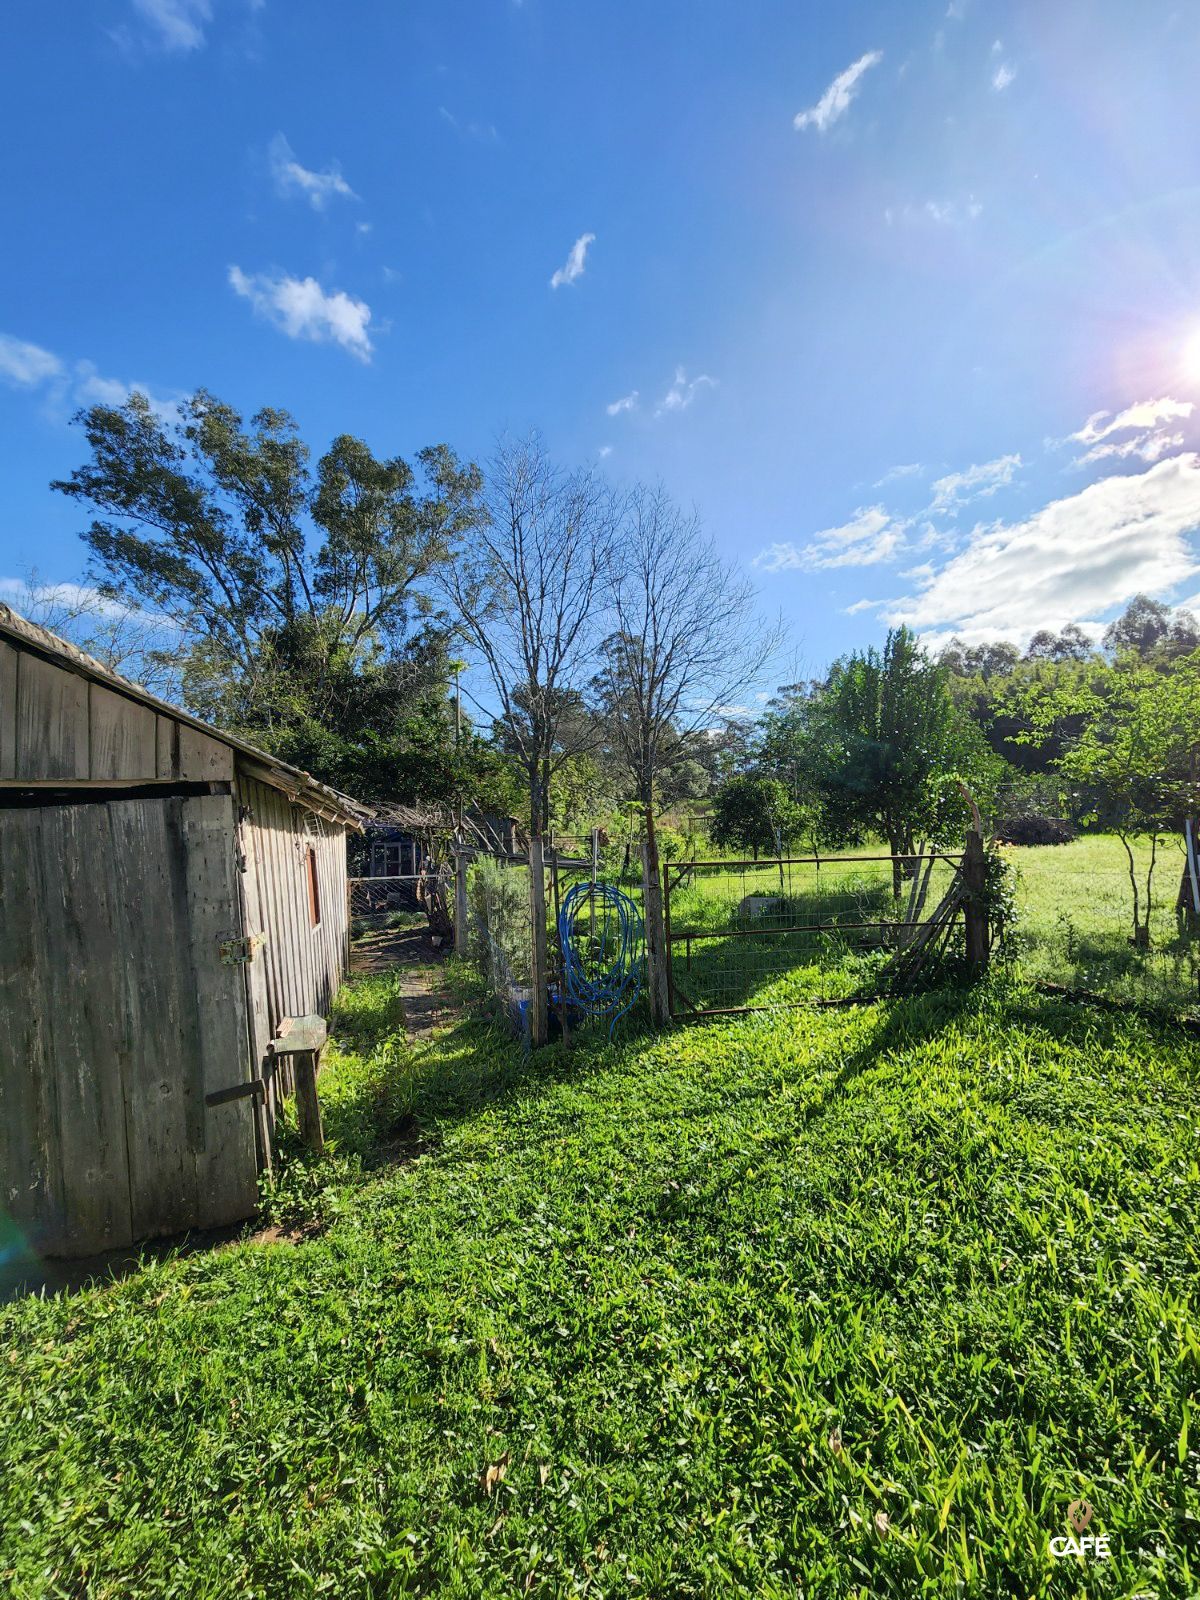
[1076,921]
[797,1304]
[1073,928]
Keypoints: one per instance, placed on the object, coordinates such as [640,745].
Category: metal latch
[252,1089]
[236,952]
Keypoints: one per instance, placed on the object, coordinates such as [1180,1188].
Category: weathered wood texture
[298,970]
[55,724]
[119,1016]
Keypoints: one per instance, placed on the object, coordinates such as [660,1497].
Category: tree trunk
[539,966]
[657,980]
[1141,937]
[895,841]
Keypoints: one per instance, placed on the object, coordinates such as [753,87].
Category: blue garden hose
[603,958]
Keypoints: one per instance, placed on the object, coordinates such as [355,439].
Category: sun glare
[1191,358]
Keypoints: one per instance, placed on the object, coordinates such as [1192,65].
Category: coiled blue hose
[603,960]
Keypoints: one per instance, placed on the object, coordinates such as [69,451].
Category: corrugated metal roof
[299,785]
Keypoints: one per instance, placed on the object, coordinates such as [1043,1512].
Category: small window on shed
[314,888]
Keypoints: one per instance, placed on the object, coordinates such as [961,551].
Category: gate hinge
[236,952]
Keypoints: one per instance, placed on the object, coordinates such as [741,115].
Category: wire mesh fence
[374,898]
[500,932]
[1075,922]
[750,934]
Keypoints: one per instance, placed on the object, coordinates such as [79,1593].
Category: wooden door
[118,1016]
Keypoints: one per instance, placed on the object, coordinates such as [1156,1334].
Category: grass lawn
[1076,921]
[796,1304]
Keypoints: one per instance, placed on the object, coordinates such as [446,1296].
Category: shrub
[1033,828]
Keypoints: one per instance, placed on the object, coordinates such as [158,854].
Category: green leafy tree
[1133,758]
[298,597]
[889,746]
[755,812]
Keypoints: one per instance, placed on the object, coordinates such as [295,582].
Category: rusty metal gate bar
[679,876]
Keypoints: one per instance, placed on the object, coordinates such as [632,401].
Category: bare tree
[526,586]
[686,643]
[135,643]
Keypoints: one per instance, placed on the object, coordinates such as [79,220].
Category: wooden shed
[168,895]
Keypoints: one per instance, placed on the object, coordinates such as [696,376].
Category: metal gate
[754,935]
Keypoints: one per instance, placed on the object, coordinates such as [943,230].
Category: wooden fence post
[460,903]
[657,987]
[538,953]
[974,872]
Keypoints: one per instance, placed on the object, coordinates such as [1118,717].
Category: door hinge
[236,952]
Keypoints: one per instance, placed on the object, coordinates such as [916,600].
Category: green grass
[1076,922]
[711,1306]
[1074,926]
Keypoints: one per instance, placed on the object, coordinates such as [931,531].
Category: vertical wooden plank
[123,736]
[151,950]
[8,711]
[255,977]
[227,1166]
[75,903]
[52,721]
[166,748]
[201,759]
[30,1167]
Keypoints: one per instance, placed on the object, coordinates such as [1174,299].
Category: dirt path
[412,954]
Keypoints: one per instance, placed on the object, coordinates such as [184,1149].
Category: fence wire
[500,931]
[779,932]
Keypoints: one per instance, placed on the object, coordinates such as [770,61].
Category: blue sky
[904,299]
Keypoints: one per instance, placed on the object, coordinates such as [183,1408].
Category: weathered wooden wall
[303,965]
[58,726]
[117,1014]
[117,1018]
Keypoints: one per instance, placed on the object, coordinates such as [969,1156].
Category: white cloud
[63,385]
[302,309]
[26,365]
[976,481]
[1003,76]
[872,535]
[835,102]
[318,188]
[908,469]
[861,605]
[178,24]
[1144,421]
[1145,446]
[683,391]
[946,213]
[604,451]
[572,268]
[1142,414]
[627,402]
[1073,560]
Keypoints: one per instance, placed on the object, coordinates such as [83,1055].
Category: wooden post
[308,1107]
[302,1039]
[538,954]
[974,870]
[562,955]
[656,941]
[460,903]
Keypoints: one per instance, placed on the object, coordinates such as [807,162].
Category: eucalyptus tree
[299,598]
